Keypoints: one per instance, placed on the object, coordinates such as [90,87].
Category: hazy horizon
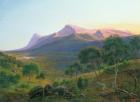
[20,19]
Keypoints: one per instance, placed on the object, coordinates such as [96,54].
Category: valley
[72,68]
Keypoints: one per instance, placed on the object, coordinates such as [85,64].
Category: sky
[20,19]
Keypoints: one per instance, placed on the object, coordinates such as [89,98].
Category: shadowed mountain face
[63,46]
[62,51]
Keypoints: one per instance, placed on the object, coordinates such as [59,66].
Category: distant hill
[79,33]
[62,47]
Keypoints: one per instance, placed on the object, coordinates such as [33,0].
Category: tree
[6,79]
[91,56]
[135,47]
[82,83]
[115,51]
[69,71]
[41,75]
[77,68]
[7,61]
[30,69]
[135,74]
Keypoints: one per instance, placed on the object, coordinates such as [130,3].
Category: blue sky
[19,19]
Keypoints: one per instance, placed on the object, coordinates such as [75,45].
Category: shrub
[41,76]
[7,79]
[82,83]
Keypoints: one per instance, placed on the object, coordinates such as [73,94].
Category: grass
[95,87]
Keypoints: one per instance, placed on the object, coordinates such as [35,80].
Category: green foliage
[15,78]
[115,50]
[7,61]
[30,69]
[41,75]
[69,71]
[8,79]
[75,68]
[91,58]
[121,67]
[23,85]
[90,54]
[135,47]
[67,83]
[82,83]
[56,83]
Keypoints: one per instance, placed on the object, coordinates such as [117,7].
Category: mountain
[34,40]
[63,46]
[72,29]
[77,32]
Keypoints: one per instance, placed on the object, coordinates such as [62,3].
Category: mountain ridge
[79,32]
[62,47]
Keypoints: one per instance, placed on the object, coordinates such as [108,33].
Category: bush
[8,79]
[82,83]
[56,83]
[30,70]
[41,76]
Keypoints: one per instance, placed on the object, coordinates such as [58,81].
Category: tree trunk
[96,74]
[116,75]
[76,74]
[43,94]
[135,83]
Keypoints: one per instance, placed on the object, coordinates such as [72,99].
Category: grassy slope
[91,92]
[24,85]
[105,83]
[107,79]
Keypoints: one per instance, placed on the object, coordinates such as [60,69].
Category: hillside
[12,79]
[62,51]
[109,72]
[96,90]
[103,89]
